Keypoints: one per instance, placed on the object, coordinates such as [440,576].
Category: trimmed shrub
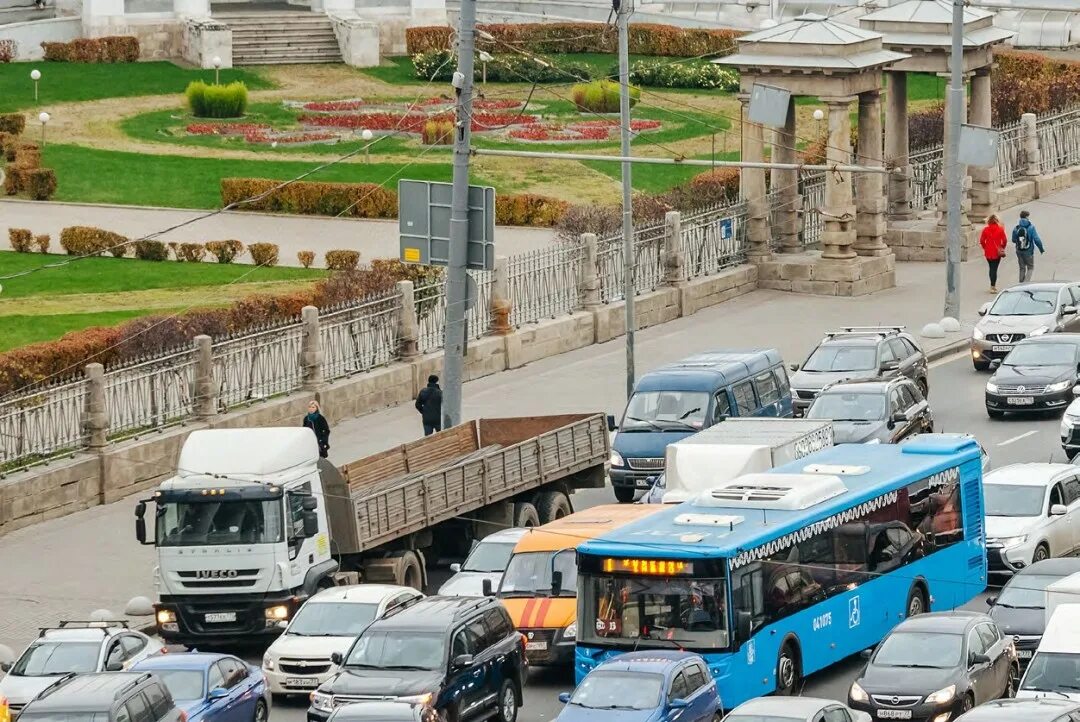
[306,258]
[8,50]
[927,126]
[88,240]
[342,260]
[39,183]
[27,157]
[14,123]
[719,183]
[668,74]
[11,144]
[113,49]
[12,180]
[264,254]
[441,64]
[120,251]
[225,251]
[217,101]
[601,96]
[174,247]
[189,252]
[150,250]
[528,209]
[42,242]
[354,200]
[438,132]
[21,239]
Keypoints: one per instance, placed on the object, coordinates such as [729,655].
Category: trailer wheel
[552,505]
[403,568]
[525,514]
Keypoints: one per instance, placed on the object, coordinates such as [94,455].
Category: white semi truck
[254,522]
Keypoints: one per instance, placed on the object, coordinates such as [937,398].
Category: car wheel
[624,494]
[508,708]
[1042,552]
[788,671]
[967,703]
[924,387]
[916,603]
[1010,683]
[262,712]
[994,414]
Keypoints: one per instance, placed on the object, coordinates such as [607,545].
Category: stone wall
[30,35]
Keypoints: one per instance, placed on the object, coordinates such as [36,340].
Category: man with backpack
[1026,239]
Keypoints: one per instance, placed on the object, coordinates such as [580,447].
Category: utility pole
[954,176]
[456,283]
[624,8]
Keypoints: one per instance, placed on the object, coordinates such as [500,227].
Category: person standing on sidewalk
[1026,239]
[993,242]
[318,424]
[429,404]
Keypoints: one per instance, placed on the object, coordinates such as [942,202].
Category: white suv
[299,660]
[1032,513]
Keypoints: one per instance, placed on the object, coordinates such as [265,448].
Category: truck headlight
[322,702]
[421,699]
[1059,386]
[268,662]
[278,613]
[616,459]
[571,631]
[858,694]
[942,696]
[165,616]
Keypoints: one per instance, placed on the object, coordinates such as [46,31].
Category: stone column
[501,304]
[983,197]
[205,388]
[408,328]
[839,211]
[1029,123]
[96,416]
[752,186]
[674,262]
[896,147]
[786,185]
[588,279]
[870,202]
[311,355]
[965,199]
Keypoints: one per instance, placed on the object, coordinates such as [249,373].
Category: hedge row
[8,50]
[508,68]
[112,49]
[559,38]
[1030,83]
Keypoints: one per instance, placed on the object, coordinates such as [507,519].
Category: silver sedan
[796,709]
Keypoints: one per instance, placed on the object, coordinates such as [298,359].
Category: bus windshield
[654,612]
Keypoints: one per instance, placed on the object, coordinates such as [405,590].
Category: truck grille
[644,464]
[235,579]
[304,667]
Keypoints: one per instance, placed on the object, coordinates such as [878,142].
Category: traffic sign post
[424,224]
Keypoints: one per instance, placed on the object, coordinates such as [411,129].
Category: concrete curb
[947,350]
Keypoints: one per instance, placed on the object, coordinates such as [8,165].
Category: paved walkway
[73,565]
[373,238]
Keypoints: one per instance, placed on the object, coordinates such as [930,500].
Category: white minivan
[1054,671]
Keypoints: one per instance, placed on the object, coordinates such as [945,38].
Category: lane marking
[1017,438]
[951,358]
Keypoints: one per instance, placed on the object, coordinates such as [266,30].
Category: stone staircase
[273,38]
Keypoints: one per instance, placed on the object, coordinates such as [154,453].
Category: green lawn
[66,82]
[23,330]
[657,178]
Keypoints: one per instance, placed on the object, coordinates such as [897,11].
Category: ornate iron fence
[1011,157]
[926,167]
[359,336]
[714,241]
[257,366]
[43,422]
[648,261]
[431,311]
[151,393]
[1059,140]
[812,189]
[543,283]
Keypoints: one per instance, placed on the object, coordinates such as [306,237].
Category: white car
[73,647]
[1032,513]
[1070,428]
[299,660]
[487,560]
[795,709]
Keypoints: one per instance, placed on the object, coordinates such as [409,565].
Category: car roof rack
[467,609]
[866,331]
[133,684]
[56,685]
[399,607]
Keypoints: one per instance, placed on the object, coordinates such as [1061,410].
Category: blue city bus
[774,576]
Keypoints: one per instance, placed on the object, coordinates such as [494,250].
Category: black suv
[856,353]
[884,412]
[111,696]
[458,656]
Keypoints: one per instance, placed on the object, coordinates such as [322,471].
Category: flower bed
[412,122]
[290,138]
[226,128]
[351,106]
[585,130]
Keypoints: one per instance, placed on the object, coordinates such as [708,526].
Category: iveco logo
[216,574]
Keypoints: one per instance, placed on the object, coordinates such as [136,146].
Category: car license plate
[219,617]
[1001,349]
[305,682]
[894,714]
[535,646]
[1020,400]
[1023,653]
[642,484]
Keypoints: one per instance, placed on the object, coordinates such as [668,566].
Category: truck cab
[241,536]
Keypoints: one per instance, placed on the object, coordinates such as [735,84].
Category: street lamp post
[485,58]
[367,135]
[35,75]
[44,118]
[217,70]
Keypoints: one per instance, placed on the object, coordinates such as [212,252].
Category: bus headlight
[616,459]
[571,631]
[942,696]
[858,694]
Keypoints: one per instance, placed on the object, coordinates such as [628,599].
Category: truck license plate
[535,646]
[1001,349]
[1020,400]
[894,714]
[305,682]
[1023,653]
[219,617]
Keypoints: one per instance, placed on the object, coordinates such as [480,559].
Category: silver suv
[105,697]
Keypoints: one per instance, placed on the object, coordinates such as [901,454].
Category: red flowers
[411,122]
[226,128]
[262,137]
[580,130]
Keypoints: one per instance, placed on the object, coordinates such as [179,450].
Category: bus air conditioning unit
[787,492]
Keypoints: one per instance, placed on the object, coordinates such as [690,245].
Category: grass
[657,178]
[68,82]
[20,330]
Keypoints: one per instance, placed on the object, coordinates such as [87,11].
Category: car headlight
[858,694]
[268,662]
[1059,386]
[1012,541]
[279,612]
[616,459]
[420,699]
[165,616]
[942,696]
[1039,331]
[991,387]
[571,631]
[977,334]
[322,702]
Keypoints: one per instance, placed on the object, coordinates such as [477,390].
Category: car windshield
[920,649]
[848,407]
[332,619]
[32,716]
[1022,302]
[1041,354]
[205,523]
[1013,499]
[529,574]
[185,685]
[488,557]
[833,357]
[665,411]
[1052,672]
[1027,591]
[618,690]
[53,658]
[398,649]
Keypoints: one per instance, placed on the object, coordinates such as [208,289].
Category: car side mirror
[890,366]
[114,667]
[611,425]
[867,654]
[5,667]
[485,588]
[995,364]
[461,661]
[678,703]
[984,309]
[899,417]
[1068,311]
[1058,510]
[556,583]
[794,367]
[991,601]
[217,693]
[337,658]
[564,697]
[976,659]
[455,567]
[311,524]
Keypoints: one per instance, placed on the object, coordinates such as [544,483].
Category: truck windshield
[206,523]
[529,574]
[666,411]
[648,612]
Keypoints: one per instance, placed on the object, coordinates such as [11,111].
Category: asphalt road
[956,396]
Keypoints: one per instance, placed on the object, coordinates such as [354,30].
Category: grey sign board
[424,224]
[768,105]
[978,146]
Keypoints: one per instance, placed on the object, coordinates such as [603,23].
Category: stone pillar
[1028,122]
[965,200]
[408,328]
[839,211]
[501,304]
[983,197]
[752,186]
[311,356]
[205,388]
[674,262]
[870,203]
[588,279]
[896,147]
[96,416]
[786,185]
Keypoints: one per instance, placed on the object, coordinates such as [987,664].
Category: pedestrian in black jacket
[317,423]
[429,404]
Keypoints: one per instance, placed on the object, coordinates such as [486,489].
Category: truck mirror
[309,503]
[140,510]
[556,583]
[311,524]
[140,529]
[611,425]
[485,587]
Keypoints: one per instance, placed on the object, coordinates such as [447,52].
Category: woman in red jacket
[993,243]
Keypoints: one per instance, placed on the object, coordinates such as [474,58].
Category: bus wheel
[916,602]
[787,671]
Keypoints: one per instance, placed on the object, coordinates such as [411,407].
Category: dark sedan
[935,666]
[1038,375]
[1020,608]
